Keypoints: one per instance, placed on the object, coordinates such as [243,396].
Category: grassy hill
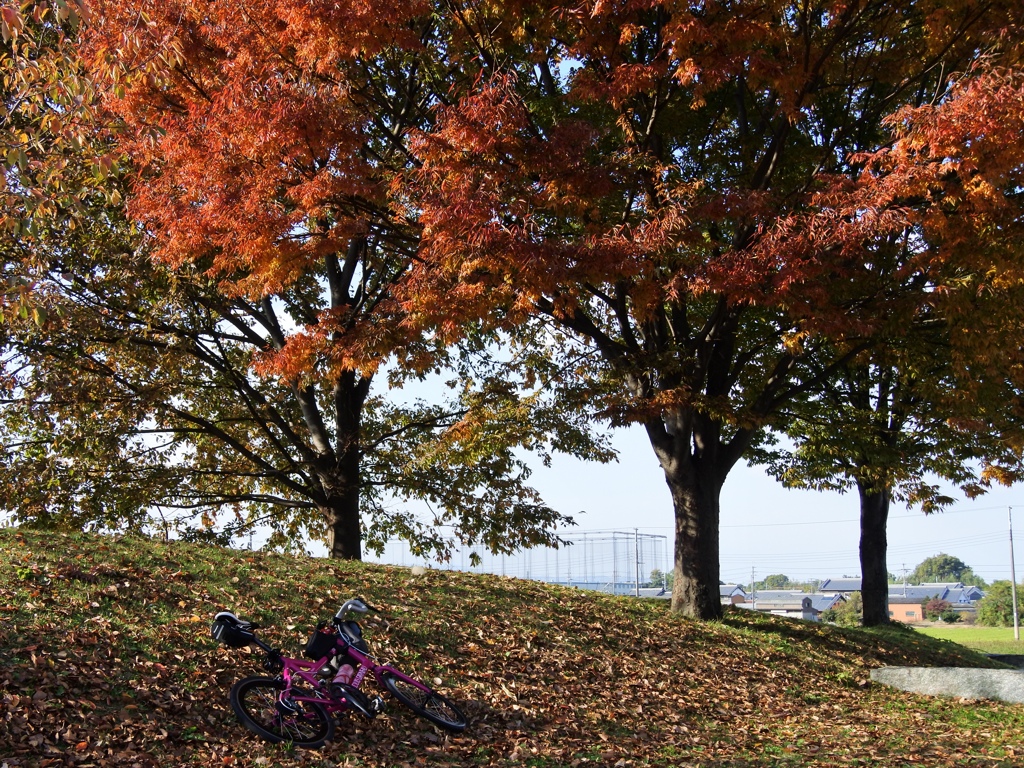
[107,661]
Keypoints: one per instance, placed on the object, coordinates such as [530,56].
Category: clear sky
[764,527]
[771,529]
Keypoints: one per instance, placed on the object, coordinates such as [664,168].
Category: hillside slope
[107,660]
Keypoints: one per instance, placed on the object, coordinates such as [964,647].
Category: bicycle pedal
[377,705]
[355,699]
[286,707]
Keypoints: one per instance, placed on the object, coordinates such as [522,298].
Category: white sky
[764,527]
[771,529]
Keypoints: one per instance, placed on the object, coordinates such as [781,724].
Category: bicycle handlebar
[356,605]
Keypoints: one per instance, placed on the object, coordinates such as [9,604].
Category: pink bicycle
[297,704]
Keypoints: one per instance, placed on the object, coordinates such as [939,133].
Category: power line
[855,521]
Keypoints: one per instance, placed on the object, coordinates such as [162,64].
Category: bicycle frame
[302,671]
[303,694]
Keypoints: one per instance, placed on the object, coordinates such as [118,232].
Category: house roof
[917,592]
[655,592]
[900,600]
[840,585]
[729,590]
[964,595]
[778,596]
[825,602]
[789,600]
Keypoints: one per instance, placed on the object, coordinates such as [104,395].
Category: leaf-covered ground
[107,661]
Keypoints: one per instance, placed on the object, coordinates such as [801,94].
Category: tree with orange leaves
[260,161]
[941,399]
[255,145]
[676,189]
[705,195]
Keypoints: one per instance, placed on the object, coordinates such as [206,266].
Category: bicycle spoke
[441,708]
[426,702]
[299,728]
[412,693]
[257,703]
[265,709]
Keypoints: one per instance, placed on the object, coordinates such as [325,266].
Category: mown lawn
[984,639]
[107,661]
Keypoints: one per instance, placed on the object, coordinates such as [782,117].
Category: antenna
[1013,579]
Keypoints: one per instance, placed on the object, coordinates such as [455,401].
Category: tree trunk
[341,510]
[695,501]
[339,472]
[344,532]
[695,469]
[874,512]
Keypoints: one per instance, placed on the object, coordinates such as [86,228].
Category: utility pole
[636,553]
[615,563]
[1013,579]
[753,591]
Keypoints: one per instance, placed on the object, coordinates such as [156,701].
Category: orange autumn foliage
[700,194]
[705,194]
[248,133]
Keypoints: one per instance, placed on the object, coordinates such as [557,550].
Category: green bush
[996,608]
[848,613]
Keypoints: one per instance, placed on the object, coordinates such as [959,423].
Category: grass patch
[983,639]
[108,661]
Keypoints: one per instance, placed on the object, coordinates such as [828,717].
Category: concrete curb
[962,682]
[1013,659]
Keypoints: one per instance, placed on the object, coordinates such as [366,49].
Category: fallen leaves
[136,680]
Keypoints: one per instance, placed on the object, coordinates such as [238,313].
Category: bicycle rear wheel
[425,702]
[257,703]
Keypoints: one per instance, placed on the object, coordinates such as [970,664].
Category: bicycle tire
[255,702]
[425,702]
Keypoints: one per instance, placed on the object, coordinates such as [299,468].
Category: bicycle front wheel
[425,702]
[257,703]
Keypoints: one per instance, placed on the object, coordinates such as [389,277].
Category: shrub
[995,609]
[934,609]
[848,613]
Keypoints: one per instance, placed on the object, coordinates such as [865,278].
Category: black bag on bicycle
[321,641]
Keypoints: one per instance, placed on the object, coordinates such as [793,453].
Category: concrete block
[962,682]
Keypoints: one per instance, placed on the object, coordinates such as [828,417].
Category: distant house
[905,601]
[822,602]
[918,592]
[658,592]
[961,595]
[731,594]
[799,605]
[905,609]
[955,591]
